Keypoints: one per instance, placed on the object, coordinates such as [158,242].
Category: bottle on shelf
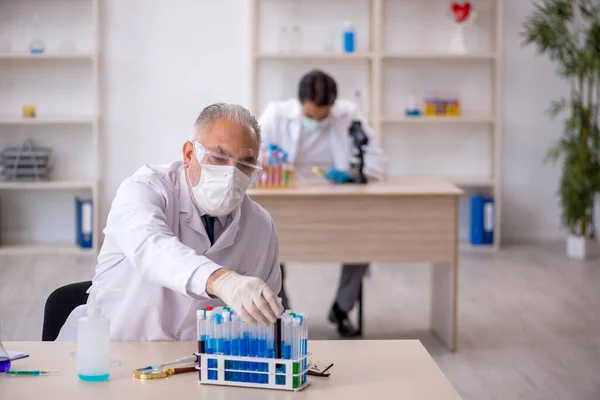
[37,45]
[453,109]
[430,107]
[330,46]
[296,39]
[358,99]
[412,109]
[283,39]
[349,37]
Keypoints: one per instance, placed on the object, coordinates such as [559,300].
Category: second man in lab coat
[313,130]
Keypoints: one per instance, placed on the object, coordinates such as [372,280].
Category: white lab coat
[281,124]
[156,249]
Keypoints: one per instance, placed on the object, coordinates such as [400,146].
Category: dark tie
[209,224]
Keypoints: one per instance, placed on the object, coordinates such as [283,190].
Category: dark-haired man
[313,130]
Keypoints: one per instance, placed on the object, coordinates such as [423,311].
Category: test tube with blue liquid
[244,350]
[225,347]
[236,345]
[210,343]
[261,352]
[303,343]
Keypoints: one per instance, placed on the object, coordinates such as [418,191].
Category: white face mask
[311,125]
[221,189]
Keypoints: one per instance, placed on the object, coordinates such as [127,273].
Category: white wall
[164,60]
[530,204]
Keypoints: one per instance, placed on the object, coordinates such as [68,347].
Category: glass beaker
[37,45]
[4,357]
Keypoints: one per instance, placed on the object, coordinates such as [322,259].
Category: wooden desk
[387,369]
[398,220]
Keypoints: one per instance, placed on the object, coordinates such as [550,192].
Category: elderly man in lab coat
[183,236]
[313,130]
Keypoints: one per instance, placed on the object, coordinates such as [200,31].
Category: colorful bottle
[430,107]
[349,37]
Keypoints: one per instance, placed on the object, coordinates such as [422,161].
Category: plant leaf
[552,154]
[557,107]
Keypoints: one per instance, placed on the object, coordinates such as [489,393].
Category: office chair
[59,305]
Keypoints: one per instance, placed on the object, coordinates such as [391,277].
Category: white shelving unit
[44,249]
[47,56]
[49,120]
[401,119]
[48,185]
[63,84]
[314,56]
[401,49]
[438,56]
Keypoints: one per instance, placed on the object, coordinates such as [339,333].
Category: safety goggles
[209,157]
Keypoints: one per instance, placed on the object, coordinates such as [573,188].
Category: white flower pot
[581,248]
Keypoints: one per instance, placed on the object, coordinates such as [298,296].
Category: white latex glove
[249,297]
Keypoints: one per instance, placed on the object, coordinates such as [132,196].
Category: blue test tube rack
[265,373]
[232,353]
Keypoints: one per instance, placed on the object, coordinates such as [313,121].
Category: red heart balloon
[461,11]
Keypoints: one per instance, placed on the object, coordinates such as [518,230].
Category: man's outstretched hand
[248,297]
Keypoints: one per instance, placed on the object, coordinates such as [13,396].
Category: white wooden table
[397,220]
[398,369]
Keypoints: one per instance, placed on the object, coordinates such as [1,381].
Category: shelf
[32,249]
[472,181]
[437,120]
[47,56]
[314,56]
[47,120]
[438,56]
[47,185]
[484,248]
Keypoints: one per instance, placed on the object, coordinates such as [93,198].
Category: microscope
[358,153]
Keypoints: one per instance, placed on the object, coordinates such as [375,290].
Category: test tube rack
[277,173]
[253,372]
[276,177]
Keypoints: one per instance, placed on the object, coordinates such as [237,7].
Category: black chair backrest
[60,304]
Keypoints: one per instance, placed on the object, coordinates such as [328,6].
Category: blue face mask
[310,125]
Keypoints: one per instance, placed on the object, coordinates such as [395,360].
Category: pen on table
[30,372]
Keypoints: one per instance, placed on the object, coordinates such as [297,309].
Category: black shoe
[339,317]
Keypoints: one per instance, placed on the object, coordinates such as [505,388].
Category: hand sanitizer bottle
[93,346]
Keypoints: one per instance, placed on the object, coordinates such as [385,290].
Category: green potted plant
[568,32]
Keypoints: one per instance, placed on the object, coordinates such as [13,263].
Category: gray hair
[233,112]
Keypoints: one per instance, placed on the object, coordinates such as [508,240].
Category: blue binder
[84,222]
[482,220]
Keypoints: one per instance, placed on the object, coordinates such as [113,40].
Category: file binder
[84,222]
